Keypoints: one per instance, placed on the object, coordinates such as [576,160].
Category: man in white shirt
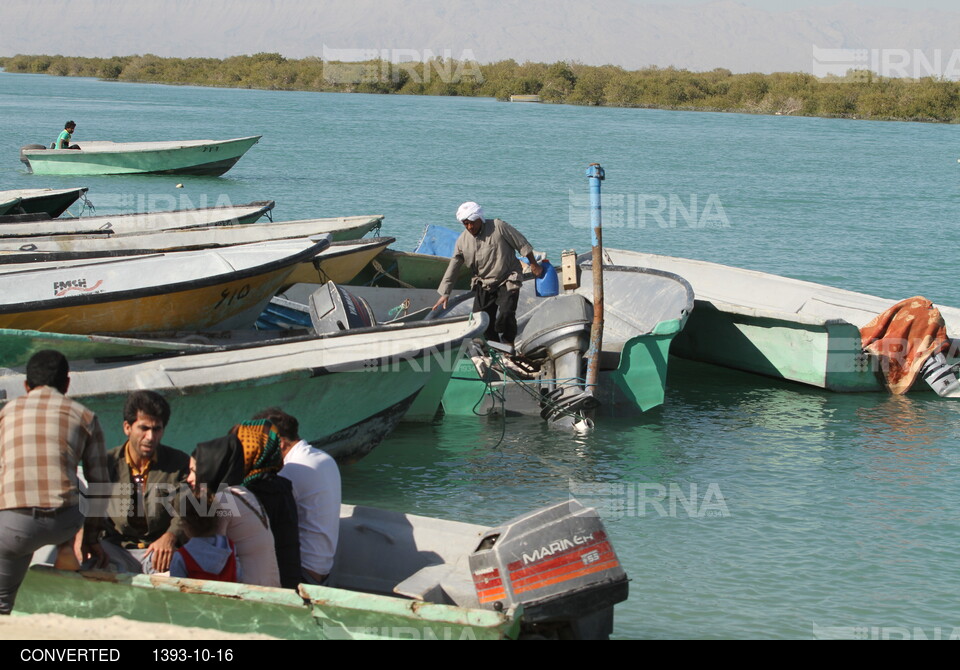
[316,487]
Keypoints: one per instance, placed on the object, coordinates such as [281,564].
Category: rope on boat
[533,389]
[86,204]
[383,273]
[497,395]
[321,275]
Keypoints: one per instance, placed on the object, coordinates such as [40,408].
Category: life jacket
[194,571]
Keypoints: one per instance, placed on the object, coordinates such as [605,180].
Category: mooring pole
[595,175]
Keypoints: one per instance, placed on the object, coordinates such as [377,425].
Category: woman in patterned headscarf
[250,456]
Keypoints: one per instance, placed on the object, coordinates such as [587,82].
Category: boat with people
[52,202]
[546,373]
[780,327]
[548,574]
[644,310]
[349,388]
[140,222]
[183,157]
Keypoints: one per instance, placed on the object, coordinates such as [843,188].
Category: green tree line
[859,94]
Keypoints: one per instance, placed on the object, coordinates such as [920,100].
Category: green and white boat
[349,389]
[776,326]
[189,157]
[644,310]
[548,574]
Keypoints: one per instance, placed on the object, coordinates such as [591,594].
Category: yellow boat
[216,289]
[340,262]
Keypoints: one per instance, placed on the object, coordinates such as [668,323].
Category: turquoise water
[796,513]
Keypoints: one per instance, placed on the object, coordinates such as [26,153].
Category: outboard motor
[333,309]
[941,376]
[23,158]
[559,564]
[558,330]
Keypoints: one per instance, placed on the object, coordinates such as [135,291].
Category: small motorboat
[189,157]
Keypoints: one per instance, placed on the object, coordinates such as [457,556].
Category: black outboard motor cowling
[559,565]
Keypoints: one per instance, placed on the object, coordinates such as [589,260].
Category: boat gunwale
[258,208]
[243,346]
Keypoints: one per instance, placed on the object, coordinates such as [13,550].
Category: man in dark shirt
[143,524]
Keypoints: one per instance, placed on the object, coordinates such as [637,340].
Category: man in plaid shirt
[44,436]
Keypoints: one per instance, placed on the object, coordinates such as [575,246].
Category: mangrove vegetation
[859,94]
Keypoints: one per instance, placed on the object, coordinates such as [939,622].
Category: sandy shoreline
[60,627]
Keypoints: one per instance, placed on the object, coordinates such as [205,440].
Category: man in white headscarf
[489,248]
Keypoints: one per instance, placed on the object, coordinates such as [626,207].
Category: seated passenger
[250,456]
[208,554]
[316,487]
[241,517]
[142,532]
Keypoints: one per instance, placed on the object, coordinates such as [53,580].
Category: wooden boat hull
[136,224]
[210,158]
[291,311]
[100,297]
[778,327]
[310,613]
[17,346]
[43,200]
[395,575]
[348,389]
[394,269]
[65,247]
[8,205]
[340,262]
[644,311]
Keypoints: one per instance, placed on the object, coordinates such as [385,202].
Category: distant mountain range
[622,32]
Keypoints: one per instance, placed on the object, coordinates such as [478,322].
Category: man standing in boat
[63,141]
[143,529]
[489,248]
[44,436]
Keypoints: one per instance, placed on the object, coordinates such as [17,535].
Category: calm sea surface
[795,513]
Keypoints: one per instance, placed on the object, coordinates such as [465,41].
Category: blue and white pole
[595,175]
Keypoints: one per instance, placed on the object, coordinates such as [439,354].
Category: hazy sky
[786,5]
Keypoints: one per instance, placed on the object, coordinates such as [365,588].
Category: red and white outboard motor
[557,564]
[333,309]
